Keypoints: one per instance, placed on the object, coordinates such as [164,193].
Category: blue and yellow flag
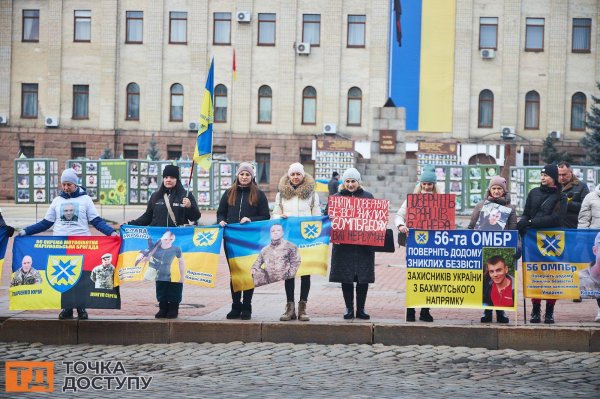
[3,244]
[264,252]
[180,254]
[204,141]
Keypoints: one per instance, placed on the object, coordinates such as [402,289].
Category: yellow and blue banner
[204,141]
[64,272]
[467,269]
[3,245]
[264,252]
[561,264]
[176,254]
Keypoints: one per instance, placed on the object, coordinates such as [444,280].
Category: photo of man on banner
[277,261]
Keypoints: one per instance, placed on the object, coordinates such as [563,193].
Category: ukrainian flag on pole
[204,141]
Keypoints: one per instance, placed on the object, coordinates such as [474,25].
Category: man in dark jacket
[574,191]
[334,183]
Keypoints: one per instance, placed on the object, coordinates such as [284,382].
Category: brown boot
[290,312]
[302,311]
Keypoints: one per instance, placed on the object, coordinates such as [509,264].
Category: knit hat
[428,175]
[552,171]
[69,176]
[296,167]
[351,173]
[171,171]
[245,167]
[498,181]
[335,174]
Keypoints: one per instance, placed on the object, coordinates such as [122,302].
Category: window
[219,152]
[27,148]
[31,26]
[263,164]
[174,152]
[532,110]
[176,113]
[488,33]
[130,151]
[220,103]
[578,108]
[81,96]
[178,27]
[266,29]
[356,30]
[486,109]
[311,29]
[78,150]
[133,102]
[582,33]
[534,34]
[309,106]
[222,28]
[354,106]
[83,26]
[135,27]
[265,100]
[307,161]
[29,100]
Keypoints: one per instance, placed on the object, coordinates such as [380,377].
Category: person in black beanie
[544,208]
[169,206]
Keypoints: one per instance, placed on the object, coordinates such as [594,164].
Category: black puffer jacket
[157,214]
[349,261]
[543,209]
[242,207]
[573,192]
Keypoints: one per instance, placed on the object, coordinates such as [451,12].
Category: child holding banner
[70,213]
[497,201]
[296,197]
[352,263]
[242,203]
[169,206]
[427,185]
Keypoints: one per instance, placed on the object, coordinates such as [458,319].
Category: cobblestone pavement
[238,370]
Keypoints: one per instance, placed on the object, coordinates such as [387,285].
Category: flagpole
[390,49]
[230,135]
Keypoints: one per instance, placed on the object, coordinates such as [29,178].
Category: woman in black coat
[352,263]
[185,209]
[242,203]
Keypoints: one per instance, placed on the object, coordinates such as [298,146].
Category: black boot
[82,314]
[536,313]
[487,316]
[410,314]
[425,315]
[349,313]
[173,310]
[65,314]
[246,313]
[549,315]
[361,314]
[501,317]
[348,292]
[236,310]
[361,299]
[163,307]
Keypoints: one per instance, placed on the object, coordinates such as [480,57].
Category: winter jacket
[84,213]
[296,201]
[511,223]
[589,215]
[543,209]
[333,185]
[157,214]
[242,207]
[351,261]
[574,191]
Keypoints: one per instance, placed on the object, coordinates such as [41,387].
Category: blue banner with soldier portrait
[261,253]
[561,264]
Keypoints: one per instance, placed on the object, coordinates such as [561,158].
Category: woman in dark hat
[171,206]
[242,203]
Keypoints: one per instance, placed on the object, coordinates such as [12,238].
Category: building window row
[532,110]
[534,34]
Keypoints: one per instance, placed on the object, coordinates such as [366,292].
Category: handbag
[150,274]
[389,245]
[401,239]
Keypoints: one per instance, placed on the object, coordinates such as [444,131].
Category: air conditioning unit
[555,134]
[487,54]
[243,16]
[303,48]
[51,121]
[3,120]
[508,133]
[193,126]
[329,128]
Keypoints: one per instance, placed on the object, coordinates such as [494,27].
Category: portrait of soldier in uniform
[277,261]
[26,275]
[102,275]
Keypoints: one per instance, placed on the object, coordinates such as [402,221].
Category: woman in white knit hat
[296,197]
[351,263]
